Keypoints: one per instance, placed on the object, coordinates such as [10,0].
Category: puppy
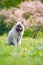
[16,33]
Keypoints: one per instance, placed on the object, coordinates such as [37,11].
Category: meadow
[30,52]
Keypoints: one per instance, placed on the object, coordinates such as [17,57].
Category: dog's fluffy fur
[14,36]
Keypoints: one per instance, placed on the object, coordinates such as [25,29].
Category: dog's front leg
[14,42]
[19,42]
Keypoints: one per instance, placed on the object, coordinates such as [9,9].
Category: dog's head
[19,27]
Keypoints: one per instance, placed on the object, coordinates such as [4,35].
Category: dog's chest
[18,38]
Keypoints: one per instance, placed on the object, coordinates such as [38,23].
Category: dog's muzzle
[19,28]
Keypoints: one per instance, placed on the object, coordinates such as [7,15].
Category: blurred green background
[30,52]
[32,31]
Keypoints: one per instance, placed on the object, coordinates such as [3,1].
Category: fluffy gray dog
[16,33]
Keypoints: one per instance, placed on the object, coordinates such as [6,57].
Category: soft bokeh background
[30,12]
[31,50]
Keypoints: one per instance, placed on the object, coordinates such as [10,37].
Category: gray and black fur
[15,34]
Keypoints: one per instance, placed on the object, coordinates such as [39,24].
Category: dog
[16,33]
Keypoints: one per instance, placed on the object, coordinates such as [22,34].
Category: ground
[29,53]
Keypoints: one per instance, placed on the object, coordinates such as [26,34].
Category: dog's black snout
[19,28]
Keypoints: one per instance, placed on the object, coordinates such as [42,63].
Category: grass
[29,53]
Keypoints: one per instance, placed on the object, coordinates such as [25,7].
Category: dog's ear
[16,22]
[22,22]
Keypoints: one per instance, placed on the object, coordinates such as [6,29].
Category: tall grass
[30,52]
